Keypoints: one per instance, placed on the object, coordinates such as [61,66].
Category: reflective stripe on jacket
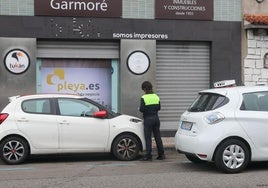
[150,99]
[150,104]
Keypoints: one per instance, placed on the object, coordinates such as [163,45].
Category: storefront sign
[93,83]
[17,61]
[184,9]
[134,35]
[84,8]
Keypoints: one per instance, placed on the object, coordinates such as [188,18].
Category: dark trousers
[152,125]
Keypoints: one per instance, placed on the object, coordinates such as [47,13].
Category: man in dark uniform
[149,106]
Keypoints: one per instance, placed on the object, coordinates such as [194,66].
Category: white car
[227,126]
[58,123]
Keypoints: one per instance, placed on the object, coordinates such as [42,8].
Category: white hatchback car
[56,123]
[227,126]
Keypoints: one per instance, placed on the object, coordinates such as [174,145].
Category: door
[35,119]
[79,130]
[253,117]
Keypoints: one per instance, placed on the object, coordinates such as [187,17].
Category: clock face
[138,62]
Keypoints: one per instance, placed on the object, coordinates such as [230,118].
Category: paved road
[98,171]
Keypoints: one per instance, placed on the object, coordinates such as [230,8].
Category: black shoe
[146,158]
[160,157]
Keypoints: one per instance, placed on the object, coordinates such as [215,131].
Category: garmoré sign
[184,9]
[83,8]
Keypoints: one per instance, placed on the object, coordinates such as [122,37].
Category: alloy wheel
[126,147]
[14,150]
[233,156]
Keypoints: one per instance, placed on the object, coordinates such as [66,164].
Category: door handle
[23,120]
[64,123]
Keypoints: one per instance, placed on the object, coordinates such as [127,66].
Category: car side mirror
[100,114]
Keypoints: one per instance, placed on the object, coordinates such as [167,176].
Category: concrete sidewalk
[168,142]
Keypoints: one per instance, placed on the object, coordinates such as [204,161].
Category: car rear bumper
[194,145]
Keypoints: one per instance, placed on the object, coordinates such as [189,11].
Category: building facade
[104,50]
[255,42]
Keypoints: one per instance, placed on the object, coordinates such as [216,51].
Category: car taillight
[3,117]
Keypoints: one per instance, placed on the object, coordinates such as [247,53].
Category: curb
[168,143]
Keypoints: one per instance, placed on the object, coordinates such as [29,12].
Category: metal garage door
[182,69]
[83,54]
[70,49]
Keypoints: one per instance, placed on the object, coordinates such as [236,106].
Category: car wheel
[126,147]
[13,150]
[194,158]
[232,156]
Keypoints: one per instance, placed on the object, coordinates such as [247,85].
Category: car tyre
[232,156]
[126,147]
[14,150]
[194,159]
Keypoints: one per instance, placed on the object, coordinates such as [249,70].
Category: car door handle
[64,123]
[23,120]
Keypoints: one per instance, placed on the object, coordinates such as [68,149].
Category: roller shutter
[70,49]
[182,69]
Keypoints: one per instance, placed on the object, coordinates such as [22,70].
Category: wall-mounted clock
[138,62]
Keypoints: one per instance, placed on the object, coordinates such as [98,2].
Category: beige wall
[252,7]
[252,63]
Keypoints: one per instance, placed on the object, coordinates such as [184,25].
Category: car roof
[35,96]
[239,89]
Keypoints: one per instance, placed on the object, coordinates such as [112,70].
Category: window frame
[78,101]
[259,95]
[51,105]
[209,105]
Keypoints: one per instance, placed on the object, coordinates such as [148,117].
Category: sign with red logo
[83,8]
[17,61]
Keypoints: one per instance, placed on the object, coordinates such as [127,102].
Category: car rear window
[208,101]
[36,106]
